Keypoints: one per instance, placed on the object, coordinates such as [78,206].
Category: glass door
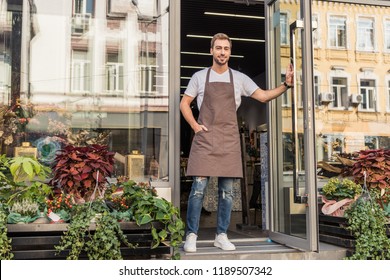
[293,195]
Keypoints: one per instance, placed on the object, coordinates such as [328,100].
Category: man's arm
[267,95]
[185,108]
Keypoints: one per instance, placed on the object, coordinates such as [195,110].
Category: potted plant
[367,222]
[24,178]
[82,171]
[146,208]
[59,207]
[373,167]
[338,194]
[23,212]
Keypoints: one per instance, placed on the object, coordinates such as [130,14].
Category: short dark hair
[220,36]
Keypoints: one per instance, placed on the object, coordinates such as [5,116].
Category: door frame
[311,243]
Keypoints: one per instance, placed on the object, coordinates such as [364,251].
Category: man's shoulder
[238,73]
[201,72]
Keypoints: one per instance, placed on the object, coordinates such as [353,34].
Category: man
[216,149]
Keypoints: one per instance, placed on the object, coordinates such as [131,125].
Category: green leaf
[28,169]
[163,234]
[145,219]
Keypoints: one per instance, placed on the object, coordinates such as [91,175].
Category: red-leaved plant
[375,165]
[78,170]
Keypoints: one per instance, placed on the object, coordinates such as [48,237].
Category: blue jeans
[195,203]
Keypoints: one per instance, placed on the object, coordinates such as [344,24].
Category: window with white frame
[387,35]
[148,79]
[82,14]
[340,91]
[114,74]
[284,29]
[317,100]
[365,34]
[367,90]
[83,6]
[337,32]
[371,142]
[80,72]
[316,31]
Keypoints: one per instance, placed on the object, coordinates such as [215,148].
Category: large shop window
[85,72]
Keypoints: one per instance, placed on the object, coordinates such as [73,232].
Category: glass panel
[106,74]
[291,217]
[365,34]
[337,31]
[359,120]
[387,35]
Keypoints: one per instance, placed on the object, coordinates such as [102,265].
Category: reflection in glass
[89,68]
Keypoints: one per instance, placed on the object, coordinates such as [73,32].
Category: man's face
[221,51]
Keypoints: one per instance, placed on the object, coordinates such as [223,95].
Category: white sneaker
[221,241]
[190,244]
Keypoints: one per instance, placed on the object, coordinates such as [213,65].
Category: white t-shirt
[243,85]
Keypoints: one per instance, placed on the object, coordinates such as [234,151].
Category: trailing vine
[5,241]
[367,221]
[146,207]
[103,244]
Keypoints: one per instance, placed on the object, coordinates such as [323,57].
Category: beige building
[351,48]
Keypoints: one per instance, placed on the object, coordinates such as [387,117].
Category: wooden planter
[333,230]
[37,241]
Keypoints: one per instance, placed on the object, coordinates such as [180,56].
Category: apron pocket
[203,141]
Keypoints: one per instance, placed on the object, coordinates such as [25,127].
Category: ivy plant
[146,208]
[103,243]
[367,221]
[5,241]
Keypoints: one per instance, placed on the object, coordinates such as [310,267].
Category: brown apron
[217,152]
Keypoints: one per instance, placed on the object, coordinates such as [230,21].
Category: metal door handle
[298,24]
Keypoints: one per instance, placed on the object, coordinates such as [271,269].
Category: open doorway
[244,22]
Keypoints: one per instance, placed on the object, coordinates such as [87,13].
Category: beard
[221,61]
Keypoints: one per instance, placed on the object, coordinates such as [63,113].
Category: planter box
[37,241]
[333,230]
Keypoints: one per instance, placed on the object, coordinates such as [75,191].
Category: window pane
[337,32]
[86,82]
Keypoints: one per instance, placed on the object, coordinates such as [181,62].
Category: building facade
[109,71]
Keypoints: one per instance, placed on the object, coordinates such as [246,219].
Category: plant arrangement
[146,207]
[374,167]
[24,178]
[78,170]
[367,221]
[59,207]
[23,211]
[337,189]
[13,121]
[103,244]
[338,195]
[5,241]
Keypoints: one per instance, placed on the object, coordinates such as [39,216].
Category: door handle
[298,24]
